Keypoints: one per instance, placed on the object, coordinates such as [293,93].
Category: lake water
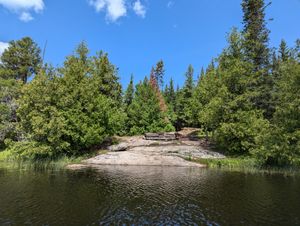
[127,195]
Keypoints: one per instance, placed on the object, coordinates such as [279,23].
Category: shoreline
[137,151]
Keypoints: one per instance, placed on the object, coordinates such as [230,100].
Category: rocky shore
[139,151]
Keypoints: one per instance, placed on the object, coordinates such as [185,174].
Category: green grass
[247,165]
[7,160]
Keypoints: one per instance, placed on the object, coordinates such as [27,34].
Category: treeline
[247,99]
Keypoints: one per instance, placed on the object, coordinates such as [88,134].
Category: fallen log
[161,136]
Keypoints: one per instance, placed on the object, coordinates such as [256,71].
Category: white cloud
[170,4]
[114,8]
[139,9]
[26,17]
[24,7]
[3,46]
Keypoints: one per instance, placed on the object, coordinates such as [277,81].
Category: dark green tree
[129,93]
[256,33]
[107,77]
[159,72]
[21,59]
[184,101]
[75,112]
[284,52]
[145,114]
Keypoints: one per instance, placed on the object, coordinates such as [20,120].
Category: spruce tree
[189,82]
[184,100]
[256,33]
[159,73]
[129,92]
[284,52]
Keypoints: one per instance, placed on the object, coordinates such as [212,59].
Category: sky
[138,33]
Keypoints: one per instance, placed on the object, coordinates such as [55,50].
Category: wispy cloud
[139,9]
[170,4]
[3,46]
[114,8]
[24,8]
[26,17]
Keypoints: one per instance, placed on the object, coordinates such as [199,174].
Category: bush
[238,136]
[278,148]
[28,150]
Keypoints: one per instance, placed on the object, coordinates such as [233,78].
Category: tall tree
[155,86]
[172,94]
[284,52]
[75,112]
[159,72]
[189,82]
[184,100]
[107,77]
[145,113]
[21,59]
[256,33]
[128,97]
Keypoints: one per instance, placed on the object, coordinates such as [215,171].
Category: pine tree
[284,52]
[256,33]
[172,94]
[184,100]
[189,82]
[129,93]
[155,86]
[159,72]
[200,76]
[22,59]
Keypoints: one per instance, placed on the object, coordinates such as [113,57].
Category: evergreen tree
[155,86]
[280,145]
[170,94]
[183,101]
[73,115]
[189,82]
[159,72]
[129,92]
[256,33]
[284,52]
[145,114]
[21,59]
[257,53]
[107,77]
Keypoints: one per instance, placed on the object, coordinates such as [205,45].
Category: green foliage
[256,33]
[28,150]
[281,144]
[245,164]
[128,97]
[77,110]
[183,105]
[144,113]
[246,101]
[159,72]
[9,92]
[238,135]
[21,59]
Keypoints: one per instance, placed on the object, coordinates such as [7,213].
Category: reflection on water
[111,195]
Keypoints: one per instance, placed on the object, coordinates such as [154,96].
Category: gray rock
[118,147]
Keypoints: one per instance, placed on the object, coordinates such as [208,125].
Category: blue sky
[138,33]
